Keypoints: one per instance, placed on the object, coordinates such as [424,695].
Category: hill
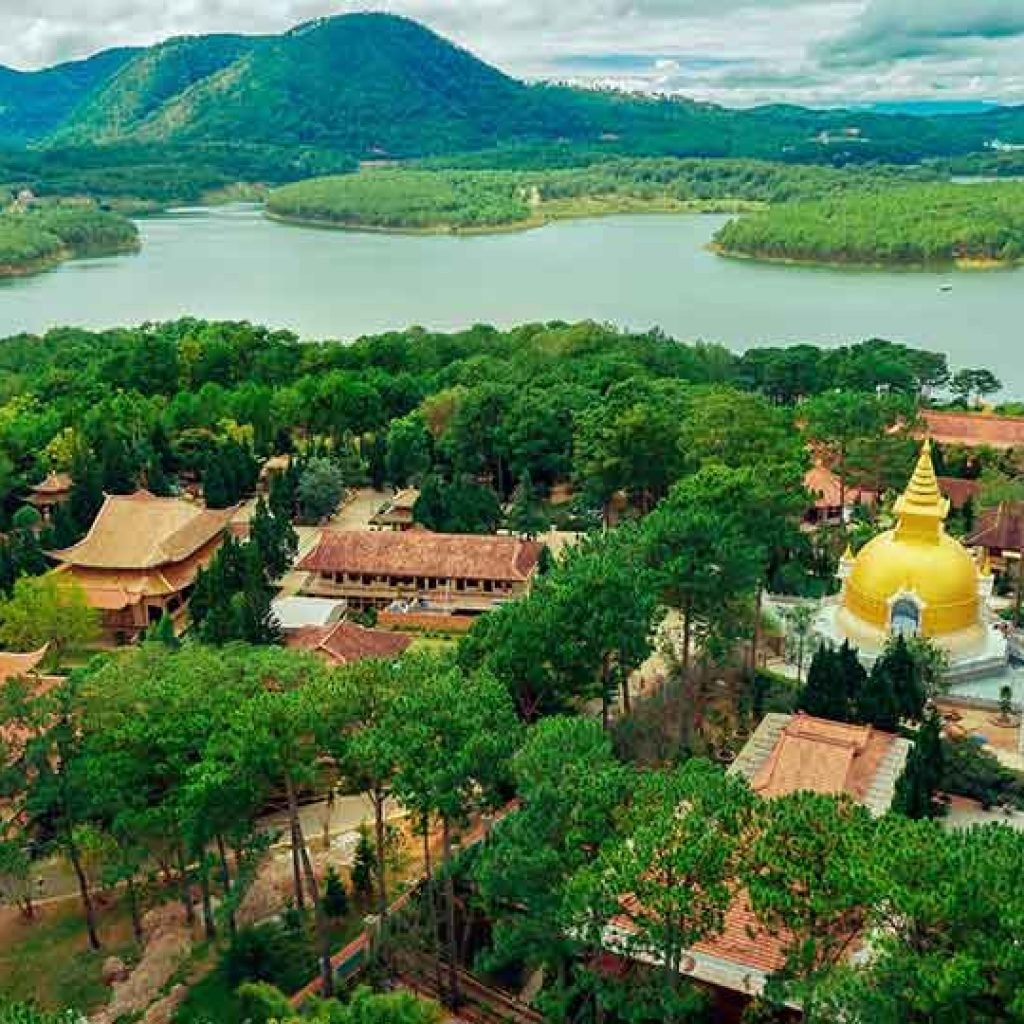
[377,86]
[34,103]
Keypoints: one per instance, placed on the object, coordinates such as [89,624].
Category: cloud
[893,30]
[742,52]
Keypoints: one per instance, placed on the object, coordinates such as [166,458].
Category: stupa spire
[922,509]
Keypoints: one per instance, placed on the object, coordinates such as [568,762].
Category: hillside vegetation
[37,240]
[450,199]
[916,225]
[371,86]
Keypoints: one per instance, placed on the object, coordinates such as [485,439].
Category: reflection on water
[638,272]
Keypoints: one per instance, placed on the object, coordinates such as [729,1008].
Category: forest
[462,194]
[166,756]
[927,224]
[40,237]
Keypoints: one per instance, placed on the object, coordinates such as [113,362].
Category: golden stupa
[917,580]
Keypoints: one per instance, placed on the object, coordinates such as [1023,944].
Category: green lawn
[48,961]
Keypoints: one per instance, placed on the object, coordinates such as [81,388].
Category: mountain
[357,83]
[372,86]
[34,103]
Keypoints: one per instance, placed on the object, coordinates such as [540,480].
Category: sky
[737,52]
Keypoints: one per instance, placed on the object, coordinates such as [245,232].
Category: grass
[212,1000]
[48,961]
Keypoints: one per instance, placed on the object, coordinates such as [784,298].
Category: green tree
[840,419]
[335,899]
[364,866]
[918,788]
[667,879]
[570,788]
[525,518]
[806,871]
[275,539]
[46,610]
[454,735]
[320,489]
[409,447]
[702,560]
[942,944]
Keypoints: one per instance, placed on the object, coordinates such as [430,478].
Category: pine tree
[162,632]
[157,481]
[525,517]
[216,485]
[363,866]
[335,899]
[824,694]
[65,530]
[119,475]
[430,509]
[905,676]
[275,539]
[917,789]
[86,489]
[877,704]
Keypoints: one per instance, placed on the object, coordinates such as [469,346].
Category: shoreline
[542,219]
[956,264]
[16,271]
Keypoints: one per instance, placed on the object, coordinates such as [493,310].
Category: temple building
[141,557]
[917,580]
[51,492]
[398,513]
[450,573]
[347,642]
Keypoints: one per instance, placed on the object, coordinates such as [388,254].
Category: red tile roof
[420,553]
[826,488]
[974,430]
[815,755]
[346,642]
[959,491]
[1000,528]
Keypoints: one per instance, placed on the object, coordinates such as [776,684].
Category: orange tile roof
[346,642]
[140,531]
[819,756]
[13,664]
[421,553]
[974,430]
[55,483]
[745,940]
[827,488]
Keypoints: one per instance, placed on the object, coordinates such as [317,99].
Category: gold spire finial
[922,505]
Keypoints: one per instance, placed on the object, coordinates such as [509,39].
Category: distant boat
[946,287]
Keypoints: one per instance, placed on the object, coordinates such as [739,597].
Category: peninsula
[917,226]
[33,239]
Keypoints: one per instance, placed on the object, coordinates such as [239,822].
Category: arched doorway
[906,618]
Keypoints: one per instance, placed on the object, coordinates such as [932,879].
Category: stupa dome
[915,578]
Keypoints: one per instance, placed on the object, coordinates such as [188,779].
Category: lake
[635,271]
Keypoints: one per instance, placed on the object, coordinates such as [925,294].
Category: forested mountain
[34,103]
[373,85]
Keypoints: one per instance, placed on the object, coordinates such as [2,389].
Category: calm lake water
[638,272]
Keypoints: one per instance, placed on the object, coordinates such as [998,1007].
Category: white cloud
[733,51]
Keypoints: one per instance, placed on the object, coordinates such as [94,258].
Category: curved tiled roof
[141,531]
[55,483]
[420,553]
[346,642]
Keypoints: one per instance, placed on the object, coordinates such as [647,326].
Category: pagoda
[915,580]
